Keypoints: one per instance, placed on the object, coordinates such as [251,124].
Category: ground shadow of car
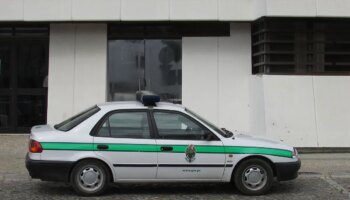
[197,190]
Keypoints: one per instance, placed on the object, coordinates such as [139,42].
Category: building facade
[275,68]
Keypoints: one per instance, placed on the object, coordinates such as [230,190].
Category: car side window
[178,127]
[126,125]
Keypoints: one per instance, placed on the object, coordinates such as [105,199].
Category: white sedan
[151,141]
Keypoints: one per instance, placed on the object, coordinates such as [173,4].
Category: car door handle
[166,148]
[102,146]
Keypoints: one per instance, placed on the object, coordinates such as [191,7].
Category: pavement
[322,176]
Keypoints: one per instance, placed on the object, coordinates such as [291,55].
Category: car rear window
[76,119]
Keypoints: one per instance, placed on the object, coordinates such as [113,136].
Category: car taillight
[35,147]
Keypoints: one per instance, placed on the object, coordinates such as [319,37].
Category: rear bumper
[49,170]
[287,171]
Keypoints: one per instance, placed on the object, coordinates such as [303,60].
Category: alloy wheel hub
[90,177]
[254,178]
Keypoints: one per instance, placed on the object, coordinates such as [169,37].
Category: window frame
[94,131]
[195,121]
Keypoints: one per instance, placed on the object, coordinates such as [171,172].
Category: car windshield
[76,119]
[212,126]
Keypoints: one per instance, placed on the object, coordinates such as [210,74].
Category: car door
[184,150]
[124,139]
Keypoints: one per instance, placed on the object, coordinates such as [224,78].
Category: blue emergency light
[147,98]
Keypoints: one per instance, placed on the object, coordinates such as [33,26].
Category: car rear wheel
[90,178]
[253,177]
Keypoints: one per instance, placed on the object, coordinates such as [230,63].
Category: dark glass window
[31,110]
[77,119]
[149,64]
[167,30]
[178,127]
[24,30]
[147,56]
[32,70]
[226,134]
[4,112]
[5,72]
[23,75]
[126,125]
[301,46]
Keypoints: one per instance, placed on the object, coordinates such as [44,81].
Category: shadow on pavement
[161,189]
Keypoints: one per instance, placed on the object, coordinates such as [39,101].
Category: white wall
[332,103]
[216,78]
[234,52]
[306,111]
[290,109]
[200,76]
[164,10]
[77,68]
[303,111]
[61,72]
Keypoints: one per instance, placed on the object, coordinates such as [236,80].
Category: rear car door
[187,149]
[124,139]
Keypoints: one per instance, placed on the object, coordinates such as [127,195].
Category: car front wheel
[253,177]
[90,178]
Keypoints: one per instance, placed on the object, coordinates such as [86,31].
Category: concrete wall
[77,68]
[290,109]
[304,111]
[173,10]
[217,81]
[308,111]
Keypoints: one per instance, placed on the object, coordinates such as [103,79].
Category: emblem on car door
[190,153]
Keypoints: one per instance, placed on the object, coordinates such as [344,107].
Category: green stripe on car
[176,148]
[67,146]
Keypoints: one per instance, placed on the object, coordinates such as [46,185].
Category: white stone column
[77,68]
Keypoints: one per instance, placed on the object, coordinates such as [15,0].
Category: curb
[310,150]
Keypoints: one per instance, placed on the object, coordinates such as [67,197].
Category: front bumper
[287,170]
[49,170]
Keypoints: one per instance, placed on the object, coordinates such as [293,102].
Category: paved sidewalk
[322,176]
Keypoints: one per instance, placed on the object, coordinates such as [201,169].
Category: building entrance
[23,77]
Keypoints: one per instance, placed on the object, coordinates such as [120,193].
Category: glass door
[163,68]
[23,84]
[31,84]
[125,69]
[6,92]
[150,64]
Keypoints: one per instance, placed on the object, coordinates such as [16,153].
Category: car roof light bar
[147,98]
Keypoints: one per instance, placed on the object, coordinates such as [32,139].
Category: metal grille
[167,30]
[24,30]
[301,46]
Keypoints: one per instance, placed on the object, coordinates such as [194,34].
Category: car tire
[90,178]
[253,177]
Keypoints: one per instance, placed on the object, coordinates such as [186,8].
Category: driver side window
[126,125]
[178,127]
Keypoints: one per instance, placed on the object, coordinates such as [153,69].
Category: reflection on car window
[76,119]
[212,126]
[126,125]
[177,126]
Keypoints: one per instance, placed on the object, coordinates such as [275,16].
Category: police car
[151,141]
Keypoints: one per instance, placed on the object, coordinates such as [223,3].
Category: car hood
[241,139]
